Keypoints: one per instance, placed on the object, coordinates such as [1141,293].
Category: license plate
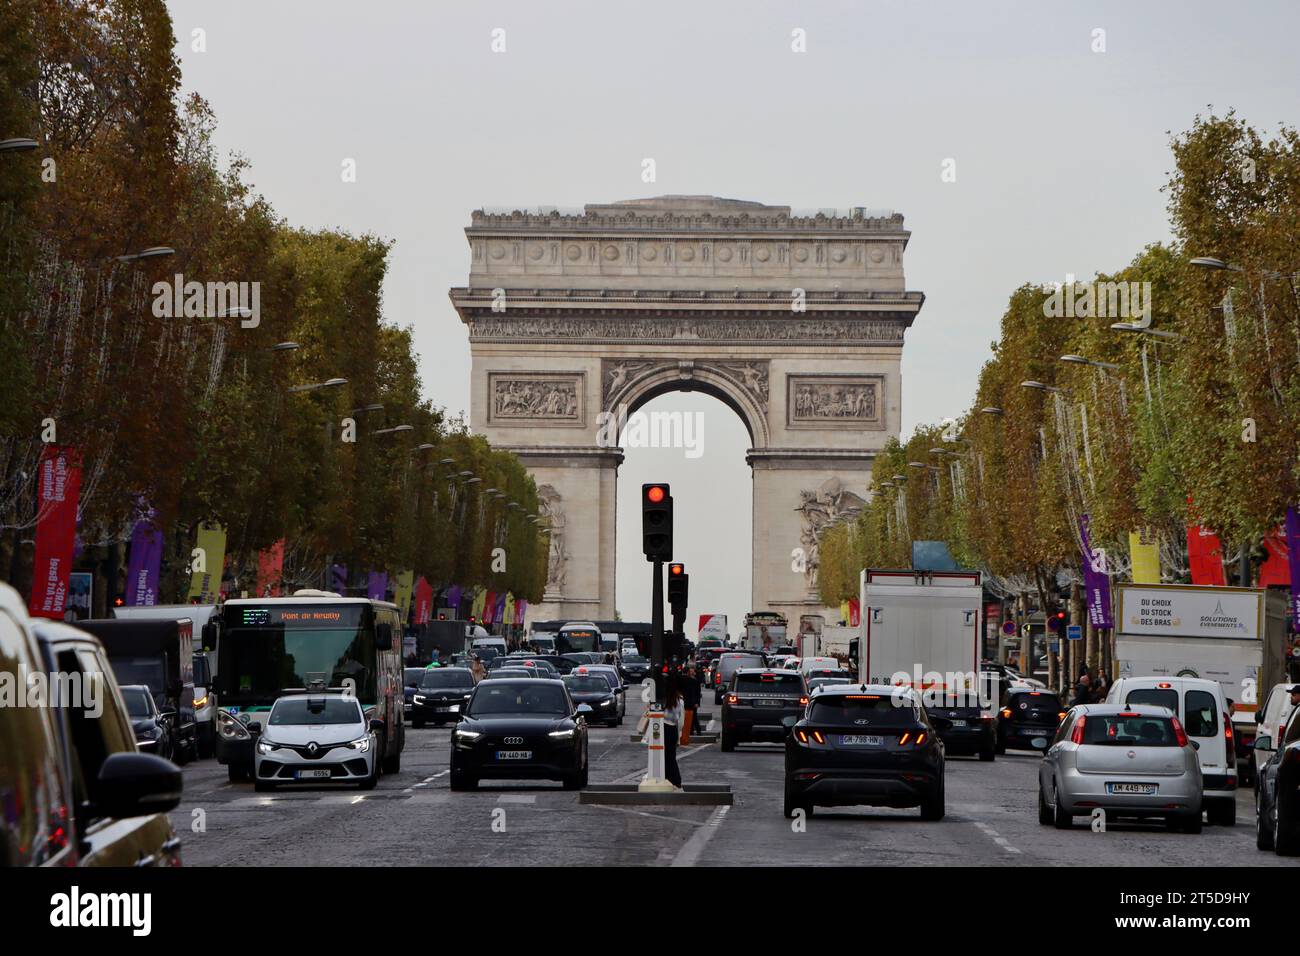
[311,774]
[860,740]
[1141,788]
[514,755]
[453,708]
[959,723]
[770,703]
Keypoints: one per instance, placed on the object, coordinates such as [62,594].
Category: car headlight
[419,699]
[561,734]
[231,728]
[361,743]
[265,746]
[606,703]
[201,702]
[468,736]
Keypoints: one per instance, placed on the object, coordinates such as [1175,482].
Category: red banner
[1205,556]
[1277,568]
[57,491]
[270,569]
[489,607]
[855,613]
[423,600]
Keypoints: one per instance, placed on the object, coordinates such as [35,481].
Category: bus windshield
[577,640]
[266,649]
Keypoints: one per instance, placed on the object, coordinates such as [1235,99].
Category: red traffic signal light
[676,568]
[656,522]
[655,493]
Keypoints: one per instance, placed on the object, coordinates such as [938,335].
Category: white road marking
[517,798]
[690,853]
[426,781]
[647,813]
[993,835]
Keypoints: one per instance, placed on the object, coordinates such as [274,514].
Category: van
[1202,709]
[1271,717]
[88,797]
[807,664]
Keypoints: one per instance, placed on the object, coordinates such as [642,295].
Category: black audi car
[634,668]
[759,700]
[521,729]
[865,744]
[1028,720]
[440,695]
[972,731]
[594,691]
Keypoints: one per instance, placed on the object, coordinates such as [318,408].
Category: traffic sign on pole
[1074,632]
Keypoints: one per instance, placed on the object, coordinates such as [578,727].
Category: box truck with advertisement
[1236,636]
[764,631]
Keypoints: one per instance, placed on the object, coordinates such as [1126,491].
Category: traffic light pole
[655,727]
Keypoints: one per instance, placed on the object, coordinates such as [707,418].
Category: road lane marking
[517,798]
[647,813]
[690,853]
[426,781]
[993,835]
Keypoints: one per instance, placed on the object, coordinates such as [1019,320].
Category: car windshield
[519,697]
[1156,696]
[1039,700]
[824,681]
[507,673]
[435,680]
[315,710]
[634,659]
[863,710]
[411,676]
[586,685]
[1128,730]
[790,684]
[137,701]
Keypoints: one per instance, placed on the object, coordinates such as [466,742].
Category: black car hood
[590,697]
[144,725]
[516,723]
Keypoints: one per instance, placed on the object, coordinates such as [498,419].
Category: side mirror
[1264,743]
[255,727]
[376,725]
[135,785]
[167,715]
[208,636]
[1196,745]
[383,636]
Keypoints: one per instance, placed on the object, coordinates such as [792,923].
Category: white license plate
[311,774]
[770,703]
[959,723]
[453,708]
[1141,788]
[514,755]
[860,740]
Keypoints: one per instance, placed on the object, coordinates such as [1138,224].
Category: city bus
[314,640]
[578,637]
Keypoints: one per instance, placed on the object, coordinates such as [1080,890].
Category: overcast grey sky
[1060,153]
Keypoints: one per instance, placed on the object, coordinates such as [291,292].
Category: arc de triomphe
[795,322]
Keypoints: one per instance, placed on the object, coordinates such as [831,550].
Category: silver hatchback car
[1128,761]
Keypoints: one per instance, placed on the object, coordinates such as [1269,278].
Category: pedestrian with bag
[673,722]
[690,703]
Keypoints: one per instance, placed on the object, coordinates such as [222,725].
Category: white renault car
[318,738]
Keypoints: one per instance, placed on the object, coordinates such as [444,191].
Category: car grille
[321,750]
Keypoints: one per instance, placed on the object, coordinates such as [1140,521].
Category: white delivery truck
[921,628]
[764,631]
[1235,636]
[836,642]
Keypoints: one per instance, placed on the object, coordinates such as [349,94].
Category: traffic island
[704,738]
[630,794]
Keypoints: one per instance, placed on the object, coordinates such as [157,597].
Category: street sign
[1074,632]
[1008,628]
[1055,647]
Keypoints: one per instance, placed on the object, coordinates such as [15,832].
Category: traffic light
[656,522]
[677,584]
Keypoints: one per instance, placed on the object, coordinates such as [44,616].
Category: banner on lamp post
[205,584]
[405,581]
[377,585]
[1145,557]
[1096,578]
[57,492]
[1293,558]
[144,566]
[270,570]
[423,600]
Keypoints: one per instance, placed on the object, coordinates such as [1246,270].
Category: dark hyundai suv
[757,703]
[1028,720]
[865,744]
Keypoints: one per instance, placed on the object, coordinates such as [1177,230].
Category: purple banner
[1096,582]
[1293,558]
[376,585]
[144,568]
[339,578]
[501,607]
[453,597]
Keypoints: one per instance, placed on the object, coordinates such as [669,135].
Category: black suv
[441,695]
[757,703]
[1028,720]
[92,799]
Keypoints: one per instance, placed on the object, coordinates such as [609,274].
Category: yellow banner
[476,609]
[207,562]
[1146,557]
[402,591]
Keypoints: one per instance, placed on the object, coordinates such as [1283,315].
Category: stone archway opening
[713,503]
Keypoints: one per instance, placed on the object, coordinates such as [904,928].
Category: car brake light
[1060,715]
[1227,728]
[817,735]
[902,741]
[920,740]
[1006,712]
[1076,735]
[732,698]
[1179,734]
[803,700]
[1164,685]
[1128,713]
[803,738]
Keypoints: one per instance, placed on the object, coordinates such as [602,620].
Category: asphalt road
[412,818]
